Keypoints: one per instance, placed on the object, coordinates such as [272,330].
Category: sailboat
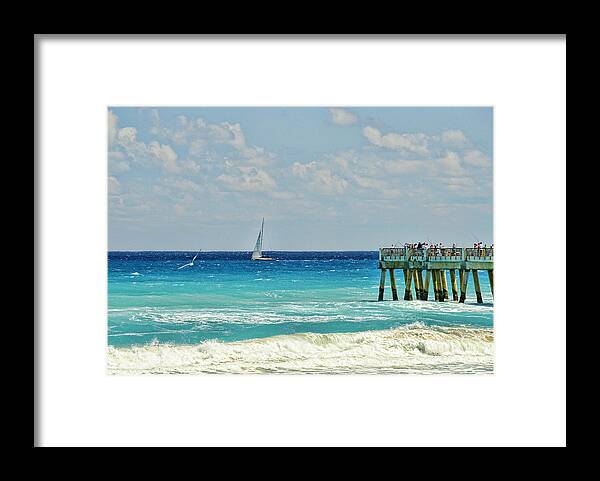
[257,252]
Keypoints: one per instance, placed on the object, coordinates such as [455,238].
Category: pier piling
[491,278]
[454,286]
[477,286]
[437,285]
[463,286]
[444,283]
[393,284]
[421,289]
[381,285]
[407,284]
[426,286]
[417,286]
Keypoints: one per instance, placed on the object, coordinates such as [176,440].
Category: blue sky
[324,178]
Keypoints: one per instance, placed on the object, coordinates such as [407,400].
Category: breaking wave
[414,348]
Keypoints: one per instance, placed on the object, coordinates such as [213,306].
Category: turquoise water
[305,312]
[225,298]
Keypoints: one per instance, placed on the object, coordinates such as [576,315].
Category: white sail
[258,246]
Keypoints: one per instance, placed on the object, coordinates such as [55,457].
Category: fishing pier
[437,263]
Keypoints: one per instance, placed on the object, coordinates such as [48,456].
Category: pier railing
[417,254]
[436,254]
[392,254]
[445,254]
[481,254]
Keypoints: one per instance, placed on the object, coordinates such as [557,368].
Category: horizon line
[246,250]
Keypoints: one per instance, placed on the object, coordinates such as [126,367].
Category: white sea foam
[409,349]
[314,312]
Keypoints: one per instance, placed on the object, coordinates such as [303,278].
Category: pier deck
[437,263]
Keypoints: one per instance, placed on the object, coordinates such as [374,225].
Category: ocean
[305,312]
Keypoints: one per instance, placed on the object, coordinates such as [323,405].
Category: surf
[415,348]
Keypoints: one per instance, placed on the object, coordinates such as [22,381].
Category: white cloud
[342,117]
[401,166]
[182,185]
[319,178]
[255,156]
[166,155]
[459,181]
[341,162]
[197,147]
[415,143]
[190,166]
[327,183]
[127,135]
[302,170]
[219,132]
[450,164]
[454,137]
[476,158]
[463,186]
[239,140]
[248,179]
[207,141]
[152,154]
[371,183]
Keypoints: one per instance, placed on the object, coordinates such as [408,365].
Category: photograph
[289,240]
[300,240]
